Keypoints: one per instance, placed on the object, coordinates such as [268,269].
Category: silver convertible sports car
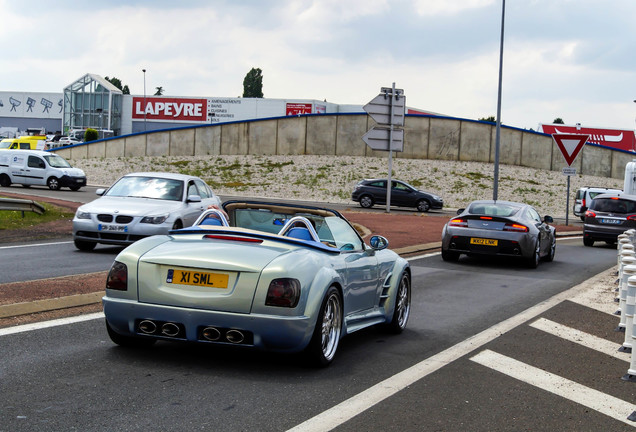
[499,228]
[278,277]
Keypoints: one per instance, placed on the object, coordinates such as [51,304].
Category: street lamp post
[495,189]
[144,71]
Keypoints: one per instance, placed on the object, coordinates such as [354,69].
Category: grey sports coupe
[499,228]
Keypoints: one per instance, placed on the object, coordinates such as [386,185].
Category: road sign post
[570,146]
[387,109]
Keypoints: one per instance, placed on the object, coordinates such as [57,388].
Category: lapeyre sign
[173,109]
[570,145]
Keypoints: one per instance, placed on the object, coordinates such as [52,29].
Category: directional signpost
[387,109]
[570,146]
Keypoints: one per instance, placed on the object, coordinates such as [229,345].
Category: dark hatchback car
[373,191]
[607,217]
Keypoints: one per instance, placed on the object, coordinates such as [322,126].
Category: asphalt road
[71,377]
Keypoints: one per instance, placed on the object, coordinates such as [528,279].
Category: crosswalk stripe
[593,399]
[587,340]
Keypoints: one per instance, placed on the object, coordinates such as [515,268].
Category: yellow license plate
[195,278]
[483,241]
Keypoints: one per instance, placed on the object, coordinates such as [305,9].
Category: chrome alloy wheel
[403,302]
[331,325]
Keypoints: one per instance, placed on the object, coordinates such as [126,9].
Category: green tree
[159,91]
[558,120]
[91,135]
[253,84]
[117,83]
[488,119]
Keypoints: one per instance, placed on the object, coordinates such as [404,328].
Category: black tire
[128,341]
[85,246]
[326,338]
[402,308]
[26,186]
[366,201]
[450,256]
[74,188]
[550,256]
[53,183]
[5,181]
[423,206]
[533,261]
[588,241]
[582,218]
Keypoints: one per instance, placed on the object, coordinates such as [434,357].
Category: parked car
[585,195]
[499,228]
[272,276]
[65,141]
[373,191]
[607,217]
[139,205]
[39,168]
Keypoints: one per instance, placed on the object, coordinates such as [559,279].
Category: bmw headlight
[155,220]
[82,214]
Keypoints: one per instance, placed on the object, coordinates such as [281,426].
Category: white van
[36,167]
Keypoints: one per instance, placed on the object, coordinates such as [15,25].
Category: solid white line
[582,338]
[35,245]
[52,323]
[613,407]
[346,410]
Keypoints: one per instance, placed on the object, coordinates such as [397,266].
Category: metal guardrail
[13,204]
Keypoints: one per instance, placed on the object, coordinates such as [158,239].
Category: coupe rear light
[459,222]
[283,292]
[515,227]
[590,213]
[117,277]
[631,217]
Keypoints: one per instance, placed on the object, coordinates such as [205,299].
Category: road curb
[45,305]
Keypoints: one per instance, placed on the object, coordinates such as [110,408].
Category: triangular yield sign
[570,145]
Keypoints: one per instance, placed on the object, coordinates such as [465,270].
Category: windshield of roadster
[147,187]
[331,230]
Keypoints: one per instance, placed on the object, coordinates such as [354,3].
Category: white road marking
[35,245]
[613,407]
[346,410]
[587,340]
[53,323]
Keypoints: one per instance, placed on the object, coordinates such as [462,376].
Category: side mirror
[194,198]
[460,211]
[100,191]
[378,242]
[548,219]
[583,209]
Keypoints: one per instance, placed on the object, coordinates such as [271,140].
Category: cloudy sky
[574,59]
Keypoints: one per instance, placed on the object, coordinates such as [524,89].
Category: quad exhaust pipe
[213,334]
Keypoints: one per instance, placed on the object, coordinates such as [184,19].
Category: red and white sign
[570,145]
[614,138]
[173,109]
[297,109]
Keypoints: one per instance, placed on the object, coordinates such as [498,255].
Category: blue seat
[299,233]
[211,221]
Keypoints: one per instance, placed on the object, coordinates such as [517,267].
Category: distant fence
[425,137]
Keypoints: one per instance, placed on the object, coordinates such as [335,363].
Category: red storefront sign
[298,109]
[173,109]
[614,138]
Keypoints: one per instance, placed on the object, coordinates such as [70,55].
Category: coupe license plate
[115,228]
[194,278]
[611,221]
[483,241]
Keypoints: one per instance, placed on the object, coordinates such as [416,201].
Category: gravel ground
[332,178]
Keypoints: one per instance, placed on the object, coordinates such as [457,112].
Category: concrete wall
[425,137]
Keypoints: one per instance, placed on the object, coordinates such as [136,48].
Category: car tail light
[590,213]
[485,217]
[631,217]
[583,203]
[283,292]
[459,222]
[117,277]
[233,238]
[515,227]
